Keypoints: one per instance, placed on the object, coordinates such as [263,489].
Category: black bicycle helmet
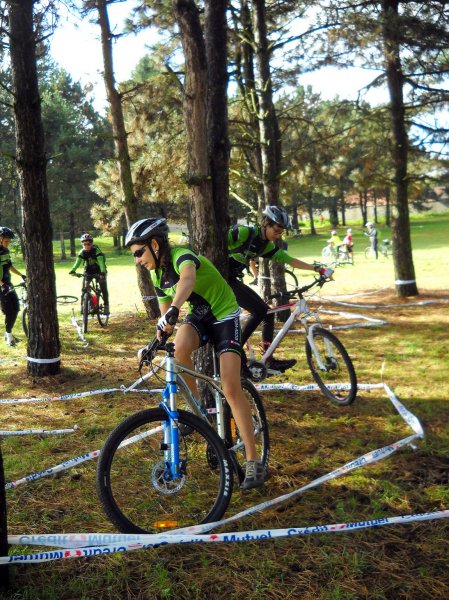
[278,215]
[6,232]
[142,231]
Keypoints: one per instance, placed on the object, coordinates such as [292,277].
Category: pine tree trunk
[121,146]
[43,340]
[215,35]
[402,246]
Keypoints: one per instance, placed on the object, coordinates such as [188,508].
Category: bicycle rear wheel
[132,484]
[260,424]
[101,316]
[25,321]
[339,370]
[85,308]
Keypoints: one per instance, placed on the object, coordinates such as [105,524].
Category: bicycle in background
[384,249]
[92,301]
[328,360]
[164,467]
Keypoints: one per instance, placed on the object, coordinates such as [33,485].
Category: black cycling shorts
[224,334]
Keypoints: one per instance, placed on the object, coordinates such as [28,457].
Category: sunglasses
[138,253]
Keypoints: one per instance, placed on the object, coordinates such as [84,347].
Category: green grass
[309,438]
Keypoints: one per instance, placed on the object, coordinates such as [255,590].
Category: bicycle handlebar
[318,281]
[149,351]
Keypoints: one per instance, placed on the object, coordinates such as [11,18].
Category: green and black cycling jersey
[211,294]
[5,265]
[246,243]
[93,260]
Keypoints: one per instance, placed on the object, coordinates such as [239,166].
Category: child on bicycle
[94,265]
[245,243]
[9,302]
[179,275]
[347,244]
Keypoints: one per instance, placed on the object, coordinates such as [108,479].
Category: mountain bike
[328,360]
[92,301]
[166,467]
[23,299]
[384,249]
[336,256]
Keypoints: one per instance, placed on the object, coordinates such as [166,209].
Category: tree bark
[215,34]
[402,246]
[270,140]
[199,177]
[43,340]
[121,146]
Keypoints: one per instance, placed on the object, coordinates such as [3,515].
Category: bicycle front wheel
[291,279]
[85,306]
[133,482]
[338,371]
[327,253]
[370,253]
[25,321]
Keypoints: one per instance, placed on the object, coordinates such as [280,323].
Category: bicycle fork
[329,350]
[170,446]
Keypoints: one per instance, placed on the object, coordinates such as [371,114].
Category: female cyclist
[179,275]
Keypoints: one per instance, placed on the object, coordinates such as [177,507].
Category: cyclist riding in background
[9,302]
[246,243]
[334,241]
[348,242]
[179,275]
[94,265]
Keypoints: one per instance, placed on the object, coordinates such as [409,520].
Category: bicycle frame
[301,308]
[174,372]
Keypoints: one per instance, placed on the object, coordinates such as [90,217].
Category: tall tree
[204,81]
[121,144]
[43,340]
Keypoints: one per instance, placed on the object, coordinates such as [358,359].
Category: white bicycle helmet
[145,229]
[278,215]
[86,237]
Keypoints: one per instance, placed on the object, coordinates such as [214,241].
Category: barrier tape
[381,306]
[79,330]
[80,395]
[129,542]
[39,431]
[74,462]
[194,534]
[406,282]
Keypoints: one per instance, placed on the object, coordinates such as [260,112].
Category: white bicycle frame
[302,308]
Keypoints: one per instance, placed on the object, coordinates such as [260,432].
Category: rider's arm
[14,270]
[253,268]
[185,285]
[76,264]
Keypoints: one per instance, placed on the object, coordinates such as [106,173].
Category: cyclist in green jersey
[94,265]
[246,243]
[179,275]
[9,302]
